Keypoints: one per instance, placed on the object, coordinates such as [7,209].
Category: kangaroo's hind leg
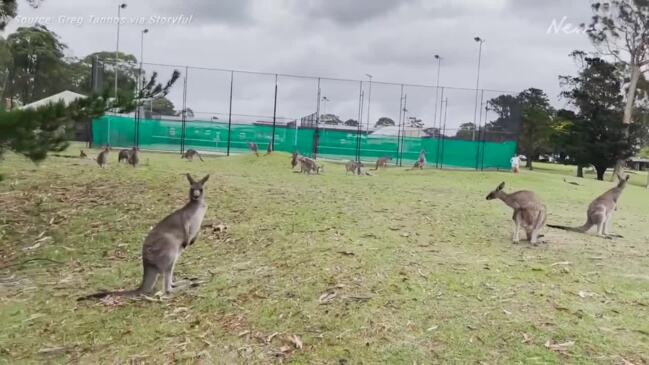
[517,227]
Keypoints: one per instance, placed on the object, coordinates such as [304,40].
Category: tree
[351,123]
[163,106]
[620,29]
[508,109]
[330,119]
[465,131]
[37,68]
[384,122]
[536,123]
[8,10]
[595,134]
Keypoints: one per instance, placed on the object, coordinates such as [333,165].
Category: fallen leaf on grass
[559,347]
[270,338]
[561,263]
[297,343]
[432,328]
[346,253]
[327,297]
[585,294]
[526,338]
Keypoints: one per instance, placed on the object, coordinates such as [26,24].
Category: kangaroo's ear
[501,186]
[190,179]
[204,180]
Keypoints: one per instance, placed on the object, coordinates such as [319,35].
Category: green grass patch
[422,267]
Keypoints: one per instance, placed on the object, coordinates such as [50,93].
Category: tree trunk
[528,163]
[601,170]
[580,171]
[628,110]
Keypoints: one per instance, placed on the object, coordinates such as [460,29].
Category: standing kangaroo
[134,158]
[382,162]
[190,153]
[253,147]
[295,157]
[529,212]
[123,156]
[307,166]
[600,211]
[166,241]
[83,155]
[102,158]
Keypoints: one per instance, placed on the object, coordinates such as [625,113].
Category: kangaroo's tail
[581,229]
[123,293]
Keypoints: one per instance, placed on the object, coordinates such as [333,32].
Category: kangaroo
[421,161]
[307,166]
[600,211]
[123,156]
[269,150]
[83,155]
[382,162]
[102,158]
[353,167]
[166,241]
[529,212]
[253,147]
[190,153]
[295,159]
[134,158]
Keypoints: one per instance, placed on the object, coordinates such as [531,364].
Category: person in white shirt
[516,162]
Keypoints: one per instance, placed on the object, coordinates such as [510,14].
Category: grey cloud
[210,11]
[348,11]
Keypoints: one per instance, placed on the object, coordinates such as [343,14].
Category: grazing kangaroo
[83,155]
[253,147]
[382,162]
[353,167]
[102,158]
[123,156]
[421,161]
[529,212]
[166,241]
[190,153]
[134,158]
[600,211]
[307,166]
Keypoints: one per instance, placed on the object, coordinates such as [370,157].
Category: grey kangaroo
[307,166]
[382,162]
[190,153]
[102,158]
[123,156]
[600,211]
[529,212]
[353,167]
[166,241]
[295,157]
[134,158]
[253,147]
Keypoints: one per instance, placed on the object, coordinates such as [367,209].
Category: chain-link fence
[222,111]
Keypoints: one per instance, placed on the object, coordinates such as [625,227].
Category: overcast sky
[393,40]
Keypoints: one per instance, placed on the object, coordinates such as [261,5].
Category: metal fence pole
[272,140]
[444,131]
[230,112]
[316,134]
[398,125]
[360,118]
[477,153]
[403,128]
[441,136]
[184,114]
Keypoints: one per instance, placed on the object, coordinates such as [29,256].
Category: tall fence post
[399,126]
[272,140]
[441,136]
[403,128]
[480,132]
[316,134]
[360,118]
[230,113]
[184,114]
[445,102]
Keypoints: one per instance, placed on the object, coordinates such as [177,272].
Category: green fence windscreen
[166,135]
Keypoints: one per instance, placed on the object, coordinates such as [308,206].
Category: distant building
[66,97]
[638,163]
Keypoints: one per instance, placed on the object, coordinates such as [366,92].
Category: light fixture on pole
[369,103]
[119,21]
[477,86]
[439,67]
[325,99]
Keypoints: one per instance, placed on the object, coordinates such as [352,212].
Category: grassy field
[405,267]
